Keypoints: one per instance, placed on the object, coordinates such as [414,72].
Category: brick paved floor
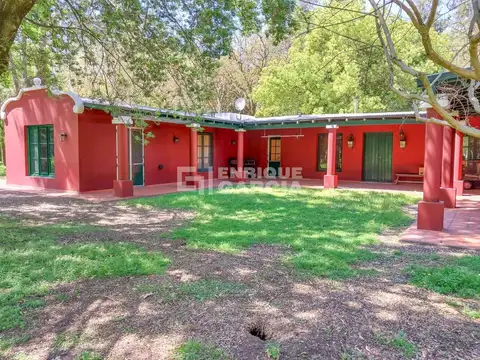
[461,227]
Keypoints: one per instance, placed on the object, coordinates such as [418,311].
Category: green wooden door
[377,157]
[274,152]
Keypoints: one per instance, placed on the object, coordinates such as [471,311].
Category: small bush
[3,170]
[399,342]
[273,350]
[471,313]
[87,355]
[195,350]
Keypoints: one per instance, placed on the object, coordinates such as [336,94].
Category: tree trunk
[13,71]
[12,13]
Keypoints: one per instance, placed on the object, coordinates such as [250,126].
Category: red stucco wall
[86,160]
[223,148]
[475,121]
[97,148]
[37,108]
[161,150]
[302,152]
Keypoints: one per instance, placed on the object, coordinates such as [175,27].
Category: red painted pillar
[431,209]
[458,163]
[193,156]
[448,194]
[240,176]
[330,180]
[123,186]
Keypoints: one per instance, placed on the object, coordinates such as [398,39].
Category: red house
[62,141]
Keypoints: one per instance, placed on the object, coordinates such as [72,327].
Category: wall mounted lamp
[63,136]
[403,141]
[350,141]
[176,140]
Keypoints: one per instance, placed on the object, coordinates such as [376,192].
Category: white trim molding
[3,113]
[78,107]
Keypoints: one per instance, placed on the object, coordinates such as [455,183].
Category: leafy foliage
[335,57]
[152,52]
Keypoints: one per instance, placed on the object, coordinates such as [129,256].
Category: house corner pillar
[122,186]
[431,209]
[458,163]
[448,193]
[240,174]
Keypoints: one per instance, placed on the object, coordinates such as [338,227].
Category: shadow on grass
[321,319]
[31,262]
[325,229]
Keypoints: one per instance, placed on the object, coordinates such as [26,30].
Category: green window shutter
[40,142]
[51,152]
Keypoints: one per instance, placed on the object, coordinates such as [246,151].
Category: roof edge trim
[78,106]
[3,113]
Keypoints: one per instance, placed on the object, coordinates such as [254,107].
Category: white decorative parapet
[78,107]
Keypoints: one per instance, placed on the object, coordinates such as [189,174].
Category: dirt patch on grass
[310,319]
[216,298]
[110,221]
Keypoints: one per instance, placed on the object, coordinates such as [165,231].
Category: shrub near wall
[3,170]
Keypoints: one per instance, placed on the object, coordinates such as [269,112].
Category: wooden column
[240,176]
[458,163]
[448,194]
[123,186]
[330,180]
[431,209]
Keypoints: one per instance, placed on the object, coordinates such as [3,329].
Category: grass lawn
[195,350]
[325,229]
[210,304]
[31,262]
[458,276]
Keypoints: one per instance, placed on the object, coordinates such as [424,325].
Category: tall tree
[336,64]
[424,21]
[174,39]
[12,13]
[238,74]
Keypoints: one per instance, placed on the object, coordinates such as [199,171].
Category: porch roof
[225,120]
[232,120]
